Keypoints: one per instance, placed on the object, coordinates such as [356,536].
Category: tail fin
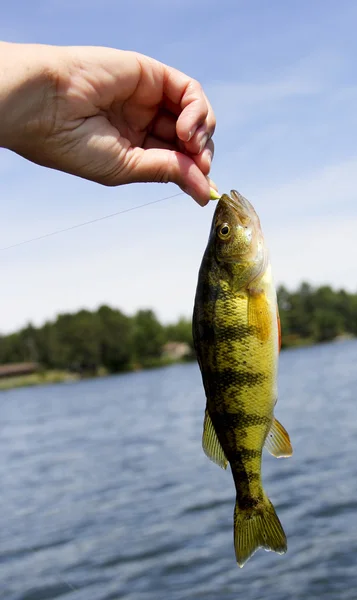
[258,527]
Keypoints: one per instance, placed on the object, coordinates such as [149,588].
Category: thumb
[163,166]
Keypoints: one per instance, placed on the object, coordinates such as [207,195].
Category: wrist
[27,82]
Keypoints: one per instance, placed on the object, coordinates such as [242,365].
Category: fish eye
[224,231]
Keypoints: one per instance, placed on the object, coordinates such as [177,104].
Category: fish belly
[243,389]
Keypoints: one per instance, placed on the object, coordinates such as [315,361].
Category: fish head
[237,235]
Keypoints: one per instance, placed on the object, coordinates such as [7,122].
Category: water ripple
[107,495]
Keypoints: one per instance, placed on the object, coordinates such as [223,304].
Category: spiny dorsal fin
[210,443]
[278,441]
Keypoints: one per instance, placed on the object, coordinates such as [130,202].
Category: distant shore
[106,341]
[56,376]
[43,378]
[50,377]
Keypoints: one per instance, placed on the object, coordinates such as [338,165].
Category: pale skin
[110,116]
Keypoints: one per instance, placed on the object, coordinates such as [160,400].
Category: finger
[203,130]
[188,94]
[154,142]
[164,127]
[164,166]
[204,159]
[193,115]
[203,133]
[171,107]
[212,184]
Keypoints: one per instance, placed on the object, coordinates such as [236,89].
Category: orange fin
[259,315]
[278,441]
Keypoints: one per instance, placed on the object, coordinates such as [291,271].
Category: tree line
[313,315]
[86,341]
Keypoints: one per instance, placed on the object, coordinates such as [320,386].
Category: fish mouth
[240,205]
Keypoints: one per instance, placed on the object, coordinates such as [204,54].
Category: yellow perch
[237,341]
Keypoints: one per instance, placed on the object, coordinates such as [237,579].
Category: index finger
[196,110]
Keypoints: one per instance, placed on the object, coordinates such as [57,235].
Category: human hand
[111,116]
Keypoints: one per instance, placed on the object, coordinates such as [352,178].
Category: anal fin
[278,441]
[211,445]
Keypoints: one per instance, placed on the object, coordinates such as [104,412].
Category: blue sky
[282,78]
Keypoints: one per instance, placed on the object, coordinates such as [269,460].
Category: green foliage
[107,340]
[181,332]
[89,343]
[116,339]
[316,314]
[149,336]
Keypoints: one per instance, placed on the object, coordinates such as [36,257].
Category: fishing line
[115,214]
[72,587]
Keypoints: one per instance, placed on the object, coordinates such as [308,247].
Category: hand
[107,115]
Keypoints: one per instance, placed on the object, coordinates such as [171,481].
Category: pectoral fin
[210,443]
[259,315]
[278,441]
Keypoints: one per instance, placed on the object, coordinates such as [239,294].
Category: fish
[237,339]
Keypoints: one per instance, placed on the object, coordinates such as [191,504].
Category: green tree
[79,341]
[301,311]
[180,332]
[148,336]
[116,339]
[284,305]
[11,349]
[327,324]
[86,340]
[29,343]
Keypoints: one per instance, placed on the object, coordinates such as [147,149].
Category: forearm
[27,83]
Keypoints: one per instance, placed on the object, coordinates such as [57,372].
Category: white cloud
[322,251]
[329,191]
[238,101]
[150,258]
[310,226]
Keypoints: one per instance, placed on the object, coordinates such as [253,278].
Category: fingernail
[191,133]
[207,155]
[211,183]
[203,142]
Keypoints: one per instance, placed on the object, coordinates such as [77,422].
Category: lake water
[106,493]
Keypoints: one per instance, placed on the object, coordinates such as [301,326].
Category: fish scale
[236,337]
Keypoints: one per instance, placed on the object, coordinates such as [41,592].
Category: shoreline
[56,376]
[36,379]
